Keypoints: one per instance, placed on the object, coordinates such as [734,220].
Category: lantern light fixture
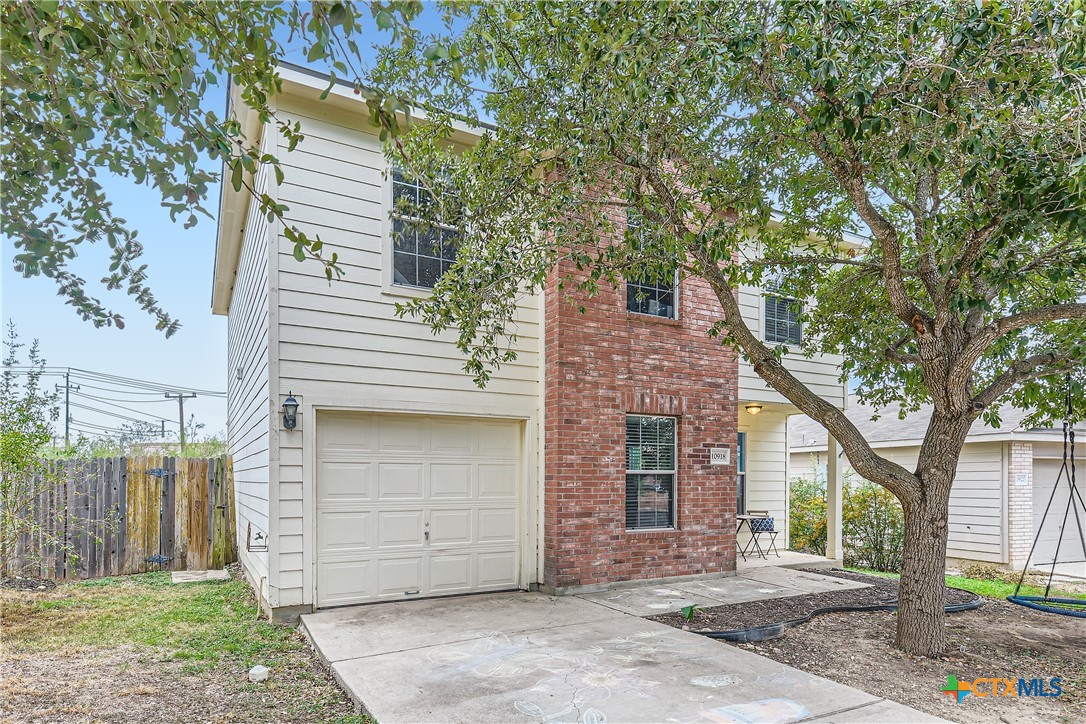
[290,412]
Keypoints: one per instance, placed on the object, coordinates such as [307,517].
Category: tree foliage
[27,412]
[96,88]
[916,170]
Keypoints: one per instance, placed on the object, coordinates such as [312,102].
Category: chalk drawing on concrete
[496,655]
[715,682]
[763,710]
[570,714]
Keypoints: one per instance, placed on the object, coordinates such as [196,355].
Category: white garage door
[411,506]
[1044,476]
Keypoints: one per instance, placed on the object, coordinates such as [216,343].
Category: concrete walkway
[527,657]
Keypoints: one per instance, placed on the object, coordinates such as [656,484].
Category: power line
[133,382]
[155,396]
[111,403]
[114,414]
[106,378]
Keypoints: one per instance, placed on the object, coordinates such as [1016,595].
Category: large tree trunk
[921,619]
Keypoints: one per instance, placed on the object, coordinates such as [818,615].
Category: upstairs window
[653,295]
[423,243]
[648,296]
[782,316]
[650,472]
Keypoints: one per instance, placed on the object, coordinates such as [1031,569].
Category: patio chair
[761,524]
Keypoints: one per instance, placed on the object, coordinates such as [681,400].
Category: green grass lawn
[989,588]
[204,629]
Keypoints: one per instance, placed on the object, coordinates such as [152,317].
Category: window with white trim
[651,462]
[782,315]
[423,243]
[655,295]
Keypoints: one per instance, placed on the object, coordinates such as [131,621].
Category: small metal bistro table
[744,520]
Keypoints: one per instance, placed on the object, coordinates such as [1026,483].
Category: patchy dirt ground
[124,685]
[775,610]
[997,640]
[137,648]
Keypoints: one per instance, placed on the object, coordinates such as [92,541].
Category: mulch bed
[24,583]
[882,591]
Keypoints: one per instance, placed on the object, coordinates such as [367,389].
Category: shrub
[807,516]
[873,529]
[873,526]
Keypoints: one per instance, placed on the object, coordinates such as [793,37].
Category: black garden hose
[773,630]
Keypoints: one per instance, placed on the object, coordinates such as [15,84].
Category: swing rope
[1062,606]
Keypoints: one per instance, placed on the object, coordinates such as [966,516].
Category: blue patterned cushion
[762,525]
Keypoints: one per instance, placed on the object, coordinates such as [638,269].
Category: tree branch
[1039,365]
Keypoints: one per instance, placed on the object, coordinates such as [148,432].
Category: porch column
[834,496]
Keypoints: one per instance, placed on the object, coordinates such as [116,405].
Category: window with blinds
[651,454]
[782,317]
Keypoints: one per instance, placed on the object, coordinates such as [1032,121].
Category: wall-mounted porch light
[754,409]
[290,412]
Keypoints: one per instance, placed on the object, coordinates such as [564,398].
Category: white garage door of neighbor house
[411,506]
[1044,477]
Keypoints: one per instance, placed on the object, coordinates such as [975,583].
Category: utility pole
[68,387]
[180,397]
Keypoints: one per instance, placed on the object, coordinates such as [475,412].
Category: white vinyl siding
[767,466]
[341,345]
[820,373]
[977,510]
[248,403]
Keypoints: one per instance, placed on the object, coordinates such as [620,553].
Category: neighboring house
[619,445]
[1004,481]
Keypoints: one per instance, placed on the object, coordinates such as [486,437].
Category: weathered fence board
[115,516]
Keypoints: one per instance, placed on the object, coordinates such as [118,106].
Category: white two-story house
[619,446]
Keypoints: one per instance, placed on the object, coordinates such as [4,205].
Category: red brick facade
[600,366]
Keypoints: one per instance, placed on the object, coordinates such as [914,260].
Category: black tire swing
[1076,507]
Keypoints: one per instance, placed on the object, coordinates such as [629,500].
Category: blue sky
[180,272]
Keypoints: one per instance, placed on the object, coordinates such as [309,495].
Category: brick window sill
[653,319]
[653,532]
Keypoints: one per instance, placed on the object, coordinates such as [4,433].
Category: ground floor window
[650,471]
[741,473]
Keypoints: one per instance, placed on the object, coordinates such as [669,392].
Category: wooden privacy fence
[124,515]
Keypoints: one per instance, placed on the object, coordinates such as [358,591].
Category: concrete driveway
[524,657]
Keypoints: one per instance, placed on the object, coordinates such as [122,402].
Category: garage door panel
[399,528]
[340,532]
[497,480]
[345,482]
[399,576]
[497,525]
[497,569]
[399,435]
[450,527]
[345,582]
[345,434]
[450,573]
[385,480]
[401,481]
[450,481]
[498,439]
[452,437]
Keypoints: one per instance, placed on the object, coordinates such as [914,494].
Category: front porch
[787,559]
[763,487]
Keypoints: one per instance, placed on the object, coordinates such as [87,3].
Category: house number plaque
[720,456]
